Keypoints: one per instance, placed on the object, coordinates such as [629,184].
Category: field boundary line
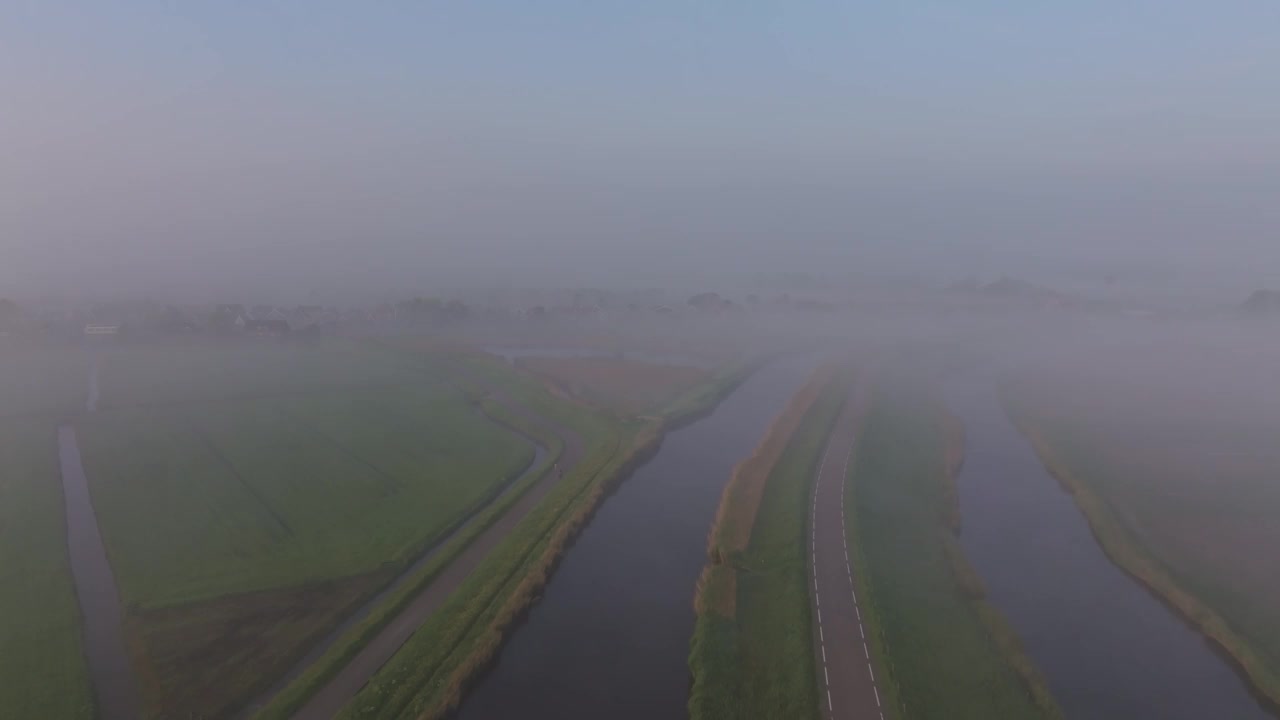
[389,481]
[230,467]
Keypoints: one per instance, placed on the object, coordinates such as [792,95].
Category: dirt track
[343,687]
[846,678]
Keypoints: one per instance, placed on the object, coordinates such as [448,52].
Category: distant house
[96,330]
[229,318]
[267,312]
[314,319]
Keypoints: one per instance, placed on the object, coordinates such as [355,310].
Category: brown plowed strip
[846,677]
[343,687]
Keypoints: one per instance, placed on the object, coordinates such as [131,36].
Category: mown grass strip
[218,656]
[947,652]
[427,677]
[751,655]
[296,694]
[448,628]
[453,646]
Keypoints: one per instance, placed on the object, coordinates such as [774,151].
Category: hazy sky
[204,146]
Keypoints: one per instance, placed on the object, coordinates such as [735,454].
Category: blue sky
[462,137]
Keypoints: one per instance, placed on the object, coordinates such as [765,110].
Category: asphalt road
[846,673]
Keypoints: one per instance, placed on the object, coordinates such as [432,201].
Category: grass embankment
[948,653]
[427,677]
[751,654]
[453,624]
[1190,540]
[244,520]
[430,673]
[704,397]
[296,694]
[42,667]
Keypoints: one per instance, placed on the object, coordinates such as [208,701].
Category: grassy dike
[704,397]
[428,676]
[601,437]
[751,654]
[297,693]
[948,653]
[1128,553]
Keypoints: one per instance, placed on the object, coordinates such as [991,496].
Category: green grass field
[47,379]
[1180,494]
[42,667]
[211,498]
[947,653]
[752,656]
[293,697]
[169,372]
[427,676]
[252,494]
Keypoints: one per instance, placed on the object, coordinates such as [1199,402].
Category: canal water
[610,637]
[105,646]
[1107,647]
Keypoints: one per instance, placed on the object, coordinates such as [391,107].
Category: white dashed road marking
[844,477]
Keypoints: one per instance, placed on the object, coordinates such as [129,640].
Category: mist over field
[304,152]
[497,360]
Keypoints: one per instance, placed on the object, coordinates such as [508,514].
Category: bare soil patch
[202,659]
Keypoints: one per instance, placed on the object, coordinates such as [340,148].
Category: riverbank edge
[702,399]
[739,500]
[525,585]
[700,402]
[446,546]
[296,693]
[1005,637]
[1129,555]
[713,643]
[472,665]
